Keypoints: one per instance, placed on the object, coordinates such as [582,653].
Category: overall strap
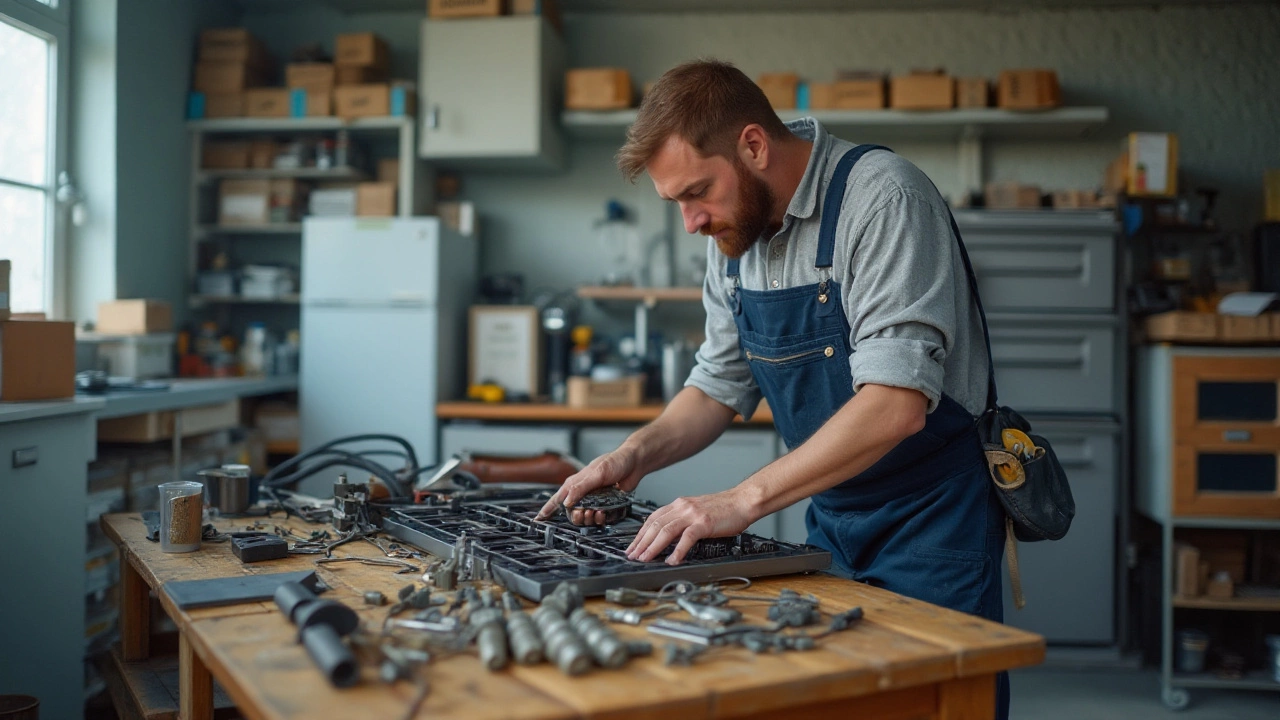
[986,334]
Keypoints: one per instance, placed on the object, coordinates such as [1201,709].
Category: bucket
[19,707]
[1189,651]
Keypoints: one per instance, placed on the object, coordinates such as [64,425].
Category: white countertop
[182,393]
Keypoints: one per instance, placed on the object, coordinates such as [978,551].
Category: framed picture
[506,348]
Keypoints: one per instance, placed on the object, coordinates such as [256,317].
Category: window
[32,61]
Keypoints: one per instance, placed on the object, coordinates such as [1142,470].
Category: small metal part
[491,636]
[522,634]
[793,610]
[487,599]
[681,654]
[614,503]
[406,591]
[566,598]
[686,631]
[373,597]
[253,547]
[625,596]
[605,645]
[443,625]
[632,616]
[842,621]
[562,645]
[511,602]
[421,599]
[709,613]
[387,562]
[445,576]
[639,648]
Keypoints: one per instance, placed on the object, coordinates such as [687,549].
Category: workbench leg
[195,684]
[972,698]
[135,615]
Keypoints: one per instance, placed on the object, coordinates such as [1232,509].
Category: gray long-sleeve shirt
[912,320]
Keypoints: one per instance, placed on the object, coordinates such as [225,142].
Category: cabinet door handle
[433,117]
[1240,436]
[23,457]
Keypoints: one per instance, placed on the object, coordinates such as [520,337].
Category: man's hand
[690,519]
[615,468]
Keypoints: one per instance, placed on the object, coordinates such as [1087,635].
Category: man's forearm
[871,424]
[690,422]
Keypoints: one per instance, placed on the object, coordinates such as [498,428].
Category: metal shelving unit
[203,226]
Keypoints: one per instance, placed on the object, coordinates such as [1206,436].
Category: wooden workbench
[905,659]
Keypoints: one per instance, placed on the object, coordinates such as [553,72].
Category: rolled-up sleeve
[721,370]
[901,299]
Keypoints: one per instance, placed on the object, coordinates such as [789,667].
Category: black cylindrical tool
[321,626]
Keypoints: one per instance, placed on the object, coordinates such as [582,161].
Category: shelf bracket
[969,159]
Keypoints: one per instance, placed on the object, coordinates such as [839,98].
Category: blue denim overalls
[923,521]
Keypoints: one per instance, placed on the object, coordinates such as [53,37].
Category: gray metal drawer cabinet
[1056,364]
[504,439]
[1070,584]
[1042,261]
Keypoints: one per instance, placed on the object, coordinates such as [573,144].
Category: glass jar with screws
[181,516]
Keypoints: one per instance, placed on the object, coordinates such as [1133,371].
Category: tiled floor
[1051,693]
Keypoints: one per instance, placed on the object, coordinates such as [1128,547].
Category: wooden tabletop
[904,654]
[551,412]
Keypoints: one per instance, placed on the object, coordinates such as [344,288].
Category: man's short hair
[706,103]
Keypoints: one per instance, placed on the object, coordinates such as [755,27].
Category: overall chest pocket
[805,378]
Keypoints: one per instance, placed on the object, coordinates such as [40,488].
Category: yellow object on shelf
[487,392]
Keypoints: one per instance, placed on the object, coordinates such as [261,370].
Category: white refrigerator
[384,315]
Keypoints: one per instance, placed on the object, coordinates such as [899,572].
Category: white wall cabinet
[728,461]
[490,92]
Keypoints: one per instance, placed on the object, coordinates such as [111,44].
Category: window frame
[52,23]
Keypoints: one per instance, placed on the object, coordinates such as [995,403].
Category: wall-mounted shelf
[272,229]
[878,125]
[308,173]
[649,296]
[202,300]
[303,124]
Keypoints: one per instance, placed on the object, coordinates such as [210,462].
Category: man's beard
[751,219]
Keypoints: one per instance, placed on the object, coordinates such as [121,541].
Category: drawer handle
[25,457]
[1237,436]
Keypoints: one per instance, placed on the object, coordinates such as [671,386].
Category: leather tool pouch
[1034,491]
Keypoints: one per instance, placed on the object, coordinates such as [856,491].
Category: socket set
[499,538]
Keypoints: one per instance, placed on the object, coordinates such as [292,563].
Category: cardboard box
[1010,196]
[1186,570]
[1151,164]
[225,77]
[1240,328]
[780,88]
[1275,325]
[597,89]
[359,75]
[1181,325]
[583,392]
[858,94]
[307,102]
[973,93]
[159,425]
[262,154]
[376,199]
[1074,199]
[288,197]
[361,50]
[549,9]
[389,170]
[233,45]
[465,8]
[134,317]
[37,360]
[266,102]
[5,268]
[221,105]
[310,76]
[1028,90]
[224,155]
[375,100]
[244,202]
[922,91]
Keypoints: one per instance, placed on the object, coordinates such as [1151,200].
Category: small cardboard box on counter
[466,8]
[597,89]
[849,94]
[1150,162]
[780,88]
[360,50]
[376,199]
[583,392]
[1011,196]
[376,100]
[134,317]
[1028,90]
[1181,325]
[37,360]
[922,90]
